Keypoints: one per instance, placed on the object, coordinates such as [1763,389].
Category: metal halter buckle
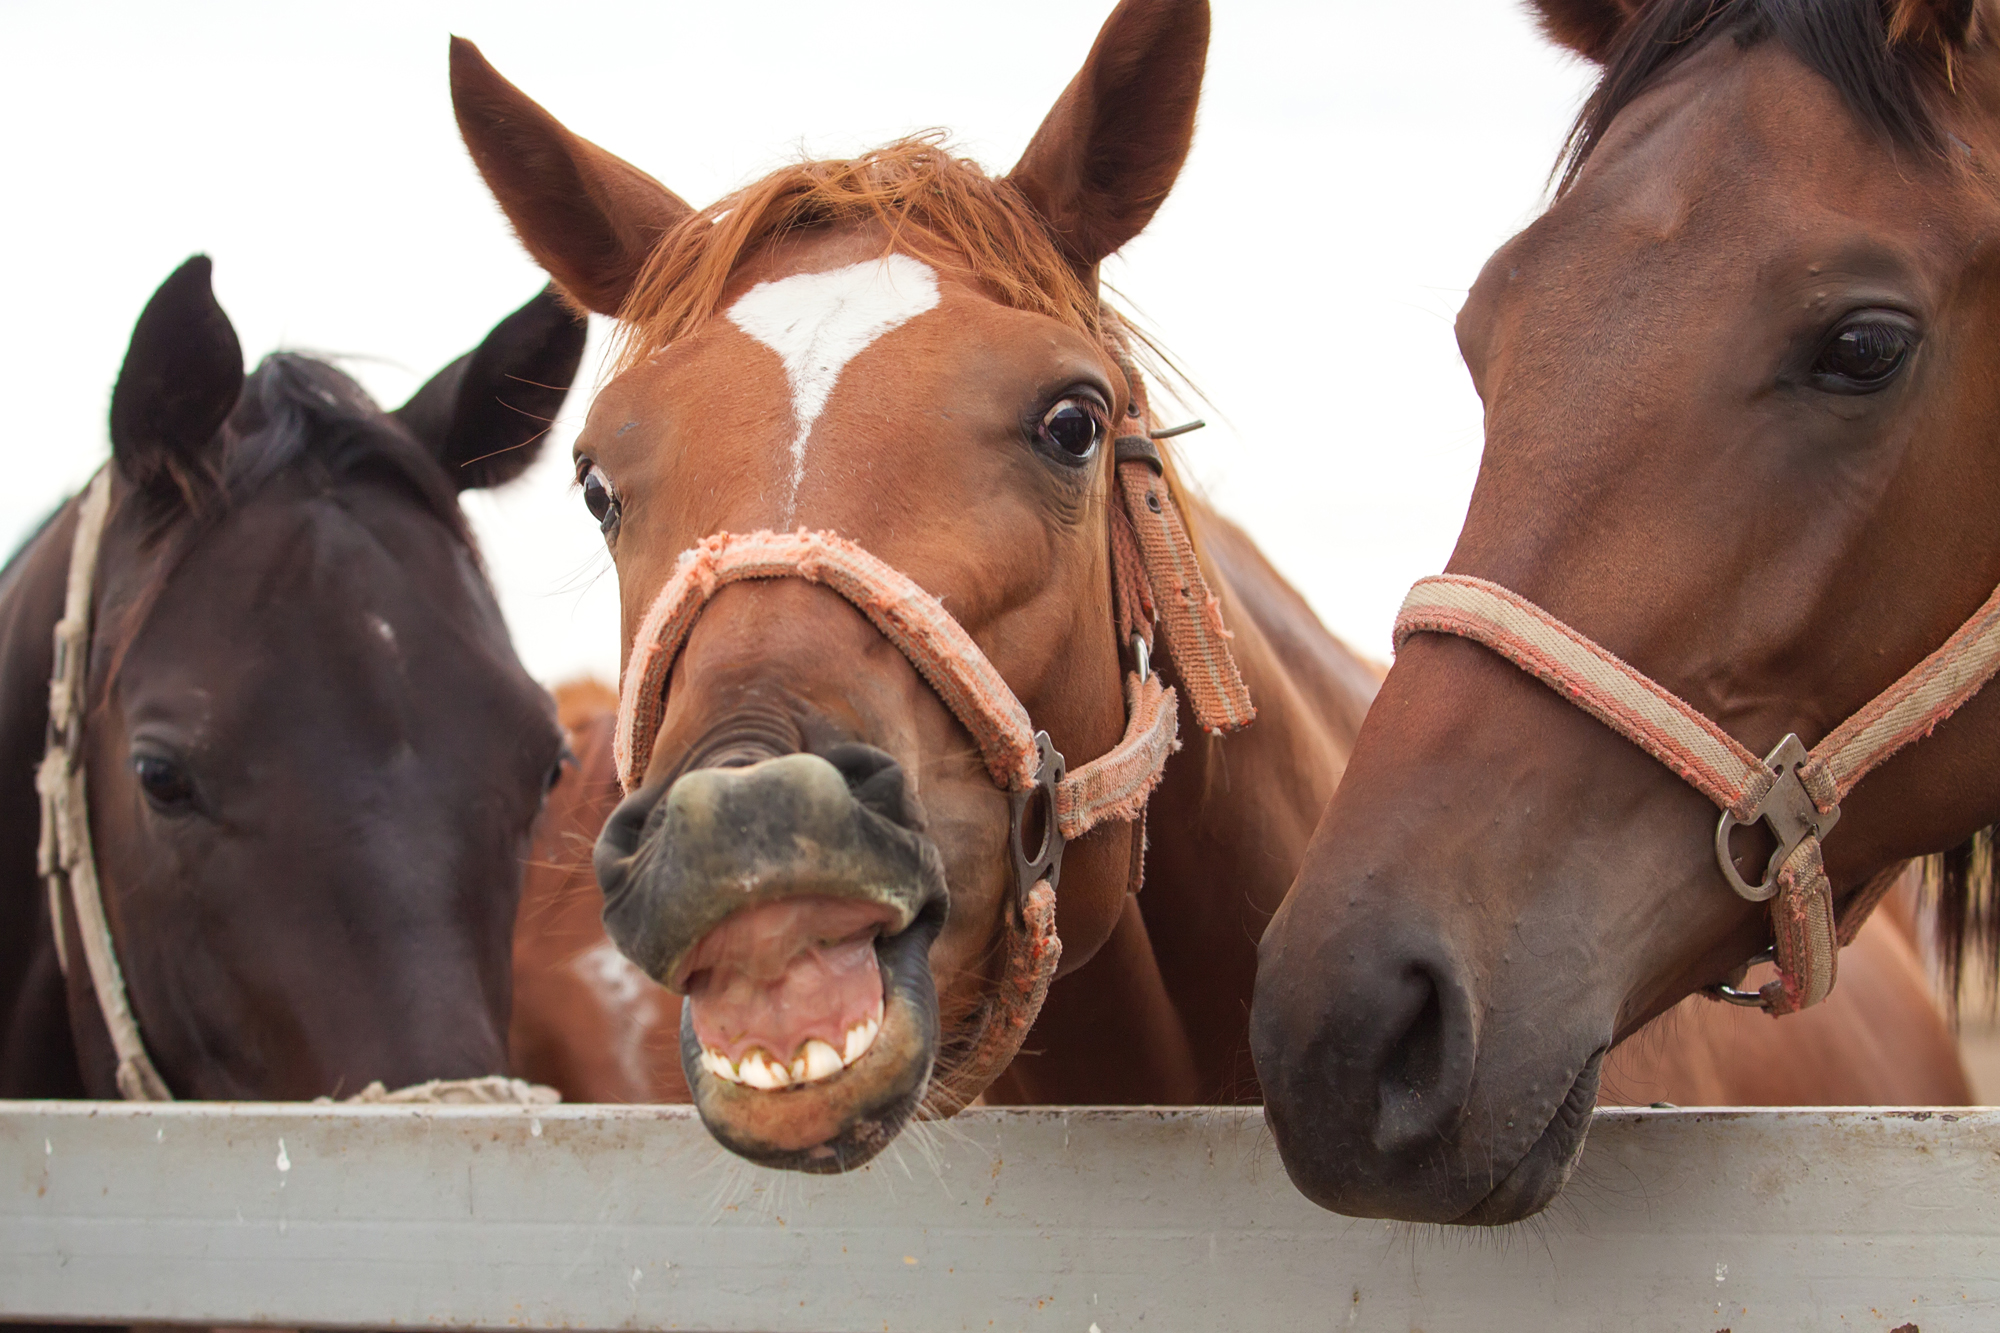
[1789,810]
[1730,992]
[1044,860]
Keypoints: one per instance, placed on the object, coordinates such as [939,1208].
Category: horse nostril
[1421,1085]
[876,781]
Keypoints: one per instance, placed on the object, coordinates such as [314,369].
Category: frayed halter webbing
[1155,577]
[64,855]
[1795,791]
[69,868]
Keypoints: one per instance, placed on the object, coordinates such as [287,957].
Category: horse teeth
[817,1060]
[765,1074]
[859,1038]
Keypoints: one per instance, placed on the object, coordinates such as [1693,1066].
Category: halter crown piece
[1795,791]
[1156,582]
[69,867]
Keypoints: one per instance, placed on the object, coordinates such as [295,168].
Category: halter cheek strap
[67,866]
[1795,791]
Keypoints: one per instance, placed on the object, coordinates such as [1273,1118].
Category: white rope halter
[1795,791]
[69,868]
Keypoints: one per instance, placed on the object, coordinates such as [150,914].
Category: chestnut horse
[312,760]
[912,355]
[1740,405]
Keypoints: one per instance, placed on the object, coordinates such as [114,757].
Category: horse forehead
[819,322]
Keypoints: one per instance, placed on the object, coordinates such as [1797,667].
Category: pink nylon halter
[1796,791]
[1157,580]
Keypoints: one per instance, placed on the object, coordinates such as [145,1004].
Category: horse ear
[182,374]
[1104,159]
[589,218]
[1948,22]
[486,414]
[1591,28]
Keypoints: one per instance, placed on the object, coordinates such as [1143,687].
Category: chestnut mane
[936,206]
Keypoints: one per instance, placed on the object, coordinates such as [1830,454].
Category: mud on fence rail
[601,1217]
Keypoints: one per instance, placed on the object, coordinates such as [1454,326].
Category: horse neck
[1227,829]
[37,1055]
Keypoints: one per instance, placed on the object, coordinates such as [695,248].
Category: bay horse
[310,757]
[1740,403]
[900,365]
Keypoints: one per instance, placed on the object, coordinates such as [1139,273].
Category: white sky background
[1354,166]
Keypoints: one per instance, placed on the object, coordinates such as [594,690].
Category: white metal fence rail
[595,1217]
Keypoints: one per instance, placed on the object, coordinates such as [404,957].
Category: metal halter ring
[1789,810]
[1044,860]
[1729,992]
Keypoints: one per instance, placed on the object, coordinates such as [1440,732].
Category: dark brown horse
[312,757]
[1741,401]
[912,354]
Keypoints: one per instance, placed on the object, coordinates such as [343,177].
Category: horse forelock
[299,411]
[935,206]
[1893,81]
[295,413]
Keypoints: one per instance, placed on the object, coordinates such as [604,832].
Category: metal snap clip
[1789,811]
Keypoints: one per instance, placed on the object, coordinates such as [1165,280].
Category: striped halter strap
[1796,792]
[1156,580]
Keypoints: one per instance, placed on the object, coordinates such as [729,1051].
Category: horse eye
[564,762]
[1073,427]
[1864,355]
[166,784]
[598,498]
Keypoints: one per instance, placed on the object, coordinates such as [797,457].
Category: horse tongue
[788,992]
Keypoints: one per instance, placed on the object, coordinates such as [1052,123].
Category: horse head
[1740,390]
[889,379]
[313,758]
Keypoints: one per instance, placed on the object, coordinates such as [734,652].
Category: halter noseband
[1795,791]
[1156,580]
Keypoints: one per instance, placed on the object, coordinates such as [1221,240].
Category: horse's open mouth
[787,993]
[1546,1167]
[808,1035]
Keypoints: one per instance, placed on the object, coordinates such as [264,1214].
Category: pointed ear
[587,217]
[182,375]
[1946,22]
[486,414]
[1591,28]
[1106,156]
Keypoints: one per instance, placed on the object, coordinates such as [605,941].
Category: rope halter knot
[1795,792]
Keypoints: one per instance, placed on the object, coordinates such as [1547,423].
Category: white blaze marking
[818,322]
